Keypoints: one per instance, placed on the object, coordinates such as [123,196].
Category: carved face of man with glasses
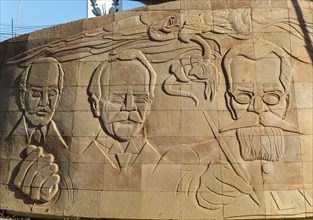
[258,96]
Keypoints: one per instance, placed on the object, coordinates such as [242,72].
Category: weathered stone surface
[181,110]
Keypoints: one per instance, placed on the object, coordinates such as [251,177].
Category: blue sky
[37,14]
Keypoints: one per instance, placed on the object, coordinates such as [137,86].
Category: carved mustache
[267,119]
[45,109]
[126,116]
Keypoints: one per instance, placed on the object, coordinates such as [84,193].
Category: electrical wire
[18,16]
[6,30]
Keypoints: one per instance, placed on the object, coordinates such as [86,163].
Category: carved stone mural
[179,110]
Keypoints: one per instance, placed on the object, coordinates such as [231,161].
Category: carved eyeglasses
[246,97]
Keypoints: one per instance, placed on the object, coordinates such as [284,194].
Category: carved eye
[117,99]
[243,98]
[140,100]
[52,93]
[271,98]
[36,94]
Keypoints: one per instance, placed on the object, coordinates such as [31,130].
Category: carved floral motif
[193,69]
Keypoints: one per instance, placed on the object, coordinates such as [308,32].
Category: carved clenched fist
[38,176]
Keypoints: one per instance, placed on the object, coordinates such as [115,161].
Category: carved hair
[263,48]
[25,73]
[94,88]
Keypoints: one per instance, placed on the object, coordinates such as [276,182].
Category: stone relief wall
[182,110]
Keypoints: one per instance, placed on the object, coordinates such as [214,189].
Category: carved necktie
[36,138]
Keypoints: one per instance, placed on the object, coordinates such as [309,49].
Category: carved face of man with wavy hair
[258,97]
[121,93]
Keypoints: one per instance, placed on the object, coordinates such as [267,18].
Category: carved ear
[148,109]
[229,105]
[94,101]
[287,105]
[22,99]
[59,98]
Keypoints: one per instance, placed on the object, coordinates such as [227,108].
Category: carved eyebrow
[40,87]
[52,87]
[135,93]
[273,89]
[119,93]
[36,88]
[140,93]
[243,89]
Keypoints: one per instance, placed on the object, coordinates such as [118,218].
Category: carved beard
[261,143]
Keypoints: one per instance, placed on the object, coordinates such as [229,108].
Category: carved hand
[38,176]
[219,186]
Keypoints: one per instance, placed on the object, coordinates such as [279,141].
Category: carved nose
[44,101]
[129,103]
[257,105]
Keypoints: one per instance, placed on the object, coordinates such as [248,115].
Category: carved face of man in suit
[40,91]
[125,102]
[126,96]
[258,97]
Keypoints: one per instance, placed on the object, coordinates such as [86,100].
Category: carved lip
[127,122]
[42,113]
